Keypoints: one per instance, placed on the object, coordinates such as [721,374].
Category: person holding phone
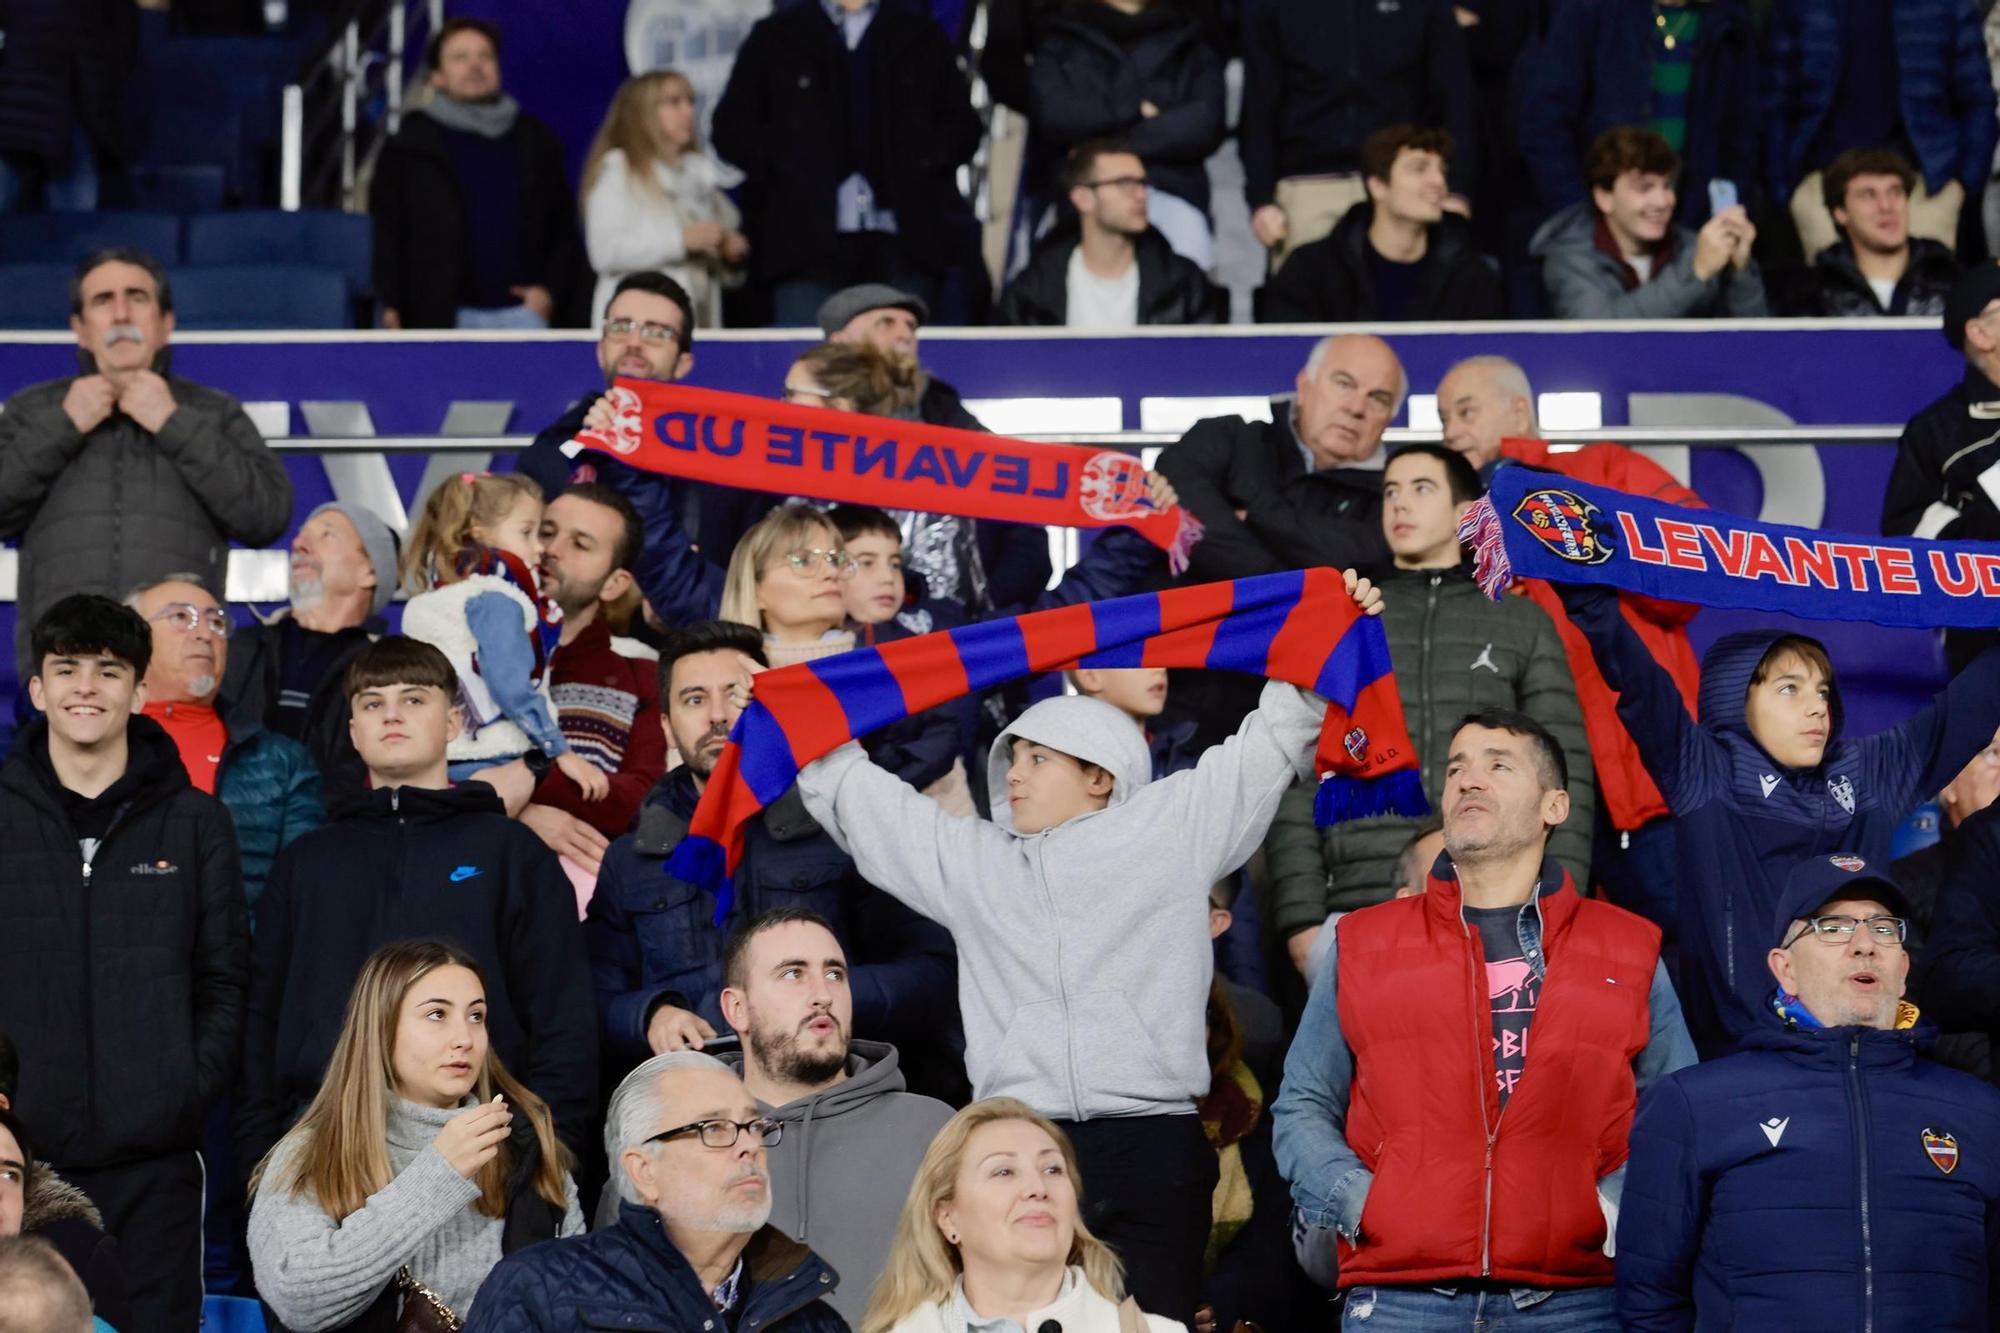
[1621,255]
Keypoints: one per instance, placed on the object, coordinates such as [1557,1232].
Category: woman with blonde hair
[419,1164]
[786,577]
[652,199]
[992,1237]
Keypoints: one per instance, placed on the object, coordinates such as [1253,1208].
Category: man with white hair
[692,1241]
[1488,410]
[1301,489]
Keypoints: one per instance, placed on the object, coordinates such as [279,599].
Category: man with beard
[691,1248]
[607,704]
[656,947]
[286,674]
[124,470]
[853,1136]
[1487,1192]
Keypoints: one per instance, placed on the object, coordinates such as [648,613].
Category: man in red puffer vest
[1419,1151]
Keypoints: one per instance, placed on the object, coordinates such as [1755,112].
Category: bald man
[1302,489]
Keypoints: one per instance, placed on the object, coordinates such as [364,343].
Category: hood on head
[1084,728]
[1725,680]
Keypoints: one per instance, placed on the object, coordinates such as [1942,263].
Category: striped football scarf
[1299,626]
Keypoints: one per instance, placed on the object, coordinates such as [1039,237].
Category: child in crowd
[1764,781]
[472,562]
[420,1162]
[420,857]
[1081,913]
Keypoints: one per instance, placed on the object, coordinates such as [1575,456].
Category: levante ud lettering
[837,451]
[1849,566]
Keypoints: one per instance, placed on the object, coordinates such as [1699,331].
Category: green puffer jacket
[270,787]
[1455,652]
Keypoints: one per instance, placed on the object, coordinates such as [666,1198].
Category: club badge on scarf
[759,444]
[1539,525]
[1299,626]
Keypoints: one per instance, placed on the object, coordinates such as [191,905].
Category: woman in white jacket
[652,199]
[992,1232]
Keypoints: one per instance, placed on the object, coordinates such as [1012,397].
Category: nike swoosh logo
[1774,1129]
[1769,782]
[464,873]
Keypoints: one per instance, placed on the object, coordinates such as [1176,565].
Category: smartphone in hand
[1721,195]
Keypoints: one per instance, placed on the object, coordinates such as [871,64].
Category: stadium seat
[191,187]
[259,296]
[35,296]
[324,238]
[50,238]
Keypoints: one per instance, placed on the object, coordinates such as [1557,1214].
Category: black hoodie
[408,863]
[123,968]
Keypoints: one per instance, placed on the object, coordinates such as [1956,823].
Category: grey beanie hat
[379,540]
[845,304]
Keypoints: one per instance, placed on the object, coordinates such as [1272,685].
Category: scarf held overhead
[1299,626]
[1539,525]
[735,439]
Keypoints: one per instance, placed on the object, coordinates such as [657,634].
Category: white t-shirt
[1641,265]
[1102,303]
[1884,289]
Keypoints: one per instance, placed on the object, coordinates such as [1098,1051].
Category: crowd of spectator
[1428,161]
[349,971]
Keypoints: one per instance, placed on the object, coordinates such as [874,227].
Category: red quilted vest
[1462,1190]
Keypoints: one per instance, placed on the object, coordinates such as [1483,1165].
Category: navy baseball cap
[1815,883]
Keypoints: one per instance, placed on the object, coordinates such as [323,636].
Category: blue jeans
[1479,1309]
[500,317]
[27,183]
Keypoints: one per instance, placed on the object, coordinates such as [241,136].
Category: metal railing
[1699,437]
[329,132]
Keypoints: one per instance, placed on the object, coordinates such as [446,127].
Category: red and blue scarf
[734,439]
[509,568]
[1299,626]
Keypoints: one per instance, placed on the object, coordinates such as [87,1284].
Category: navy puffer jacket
[1829,1179]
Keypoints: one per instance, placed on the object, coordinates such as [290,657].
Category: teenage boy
[1081,915]
[418,857]
[125,947]
[1764,781]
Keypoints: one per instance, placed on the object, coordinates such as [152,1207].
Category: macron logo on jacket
[1774,1129]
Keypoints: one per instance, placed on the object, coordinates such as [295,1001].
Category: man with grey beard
[692,1247]
[285,674]
[124,469]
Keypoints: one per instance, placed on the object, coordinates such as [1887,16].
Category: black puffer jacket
[104,511]
[1835,288]
[1171,289]
[1096,64]
[61,1214]
[1330,281]
[124,978]
[64,64]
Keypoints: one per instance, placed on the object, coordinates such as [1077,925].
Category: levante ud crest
[1942,1149]
[1567,524]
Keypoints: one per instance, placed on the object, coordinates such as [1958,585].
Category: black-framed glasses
[657,334]
[1889,931]
[1119,182]
[185,616]
[810,561]
[723,1133]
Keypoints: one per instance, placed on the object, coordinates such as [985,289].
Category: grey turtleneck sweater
[318,1273]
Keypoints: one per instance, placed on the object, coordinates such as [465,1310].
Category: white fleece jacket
[1083,951]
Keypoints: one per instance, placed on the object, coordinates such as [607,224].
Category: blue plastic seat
[260,296]
[35,296]
[324,238]
[187,187]
[48,238]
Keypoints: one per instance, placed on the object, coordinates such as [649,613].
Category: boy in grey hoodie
[1081,916]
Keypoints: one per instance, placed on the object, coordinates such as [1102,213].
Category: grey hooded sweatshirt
[841,1172]
[1083,950]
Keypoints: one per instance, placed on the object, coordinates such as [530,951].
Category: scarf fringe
[1480,532]
[1341,798]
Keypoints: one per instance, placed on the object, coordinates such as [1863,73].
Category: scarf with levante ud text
[734,439]
[1299,626]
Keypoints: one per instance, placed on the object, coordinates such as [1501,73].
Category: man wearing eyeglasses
[267,782]
[1114,270]
[1830,1174]
[692,1248]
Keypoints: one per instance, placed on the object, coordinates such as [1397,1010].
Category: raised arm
[1649,702]
[1913,760]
